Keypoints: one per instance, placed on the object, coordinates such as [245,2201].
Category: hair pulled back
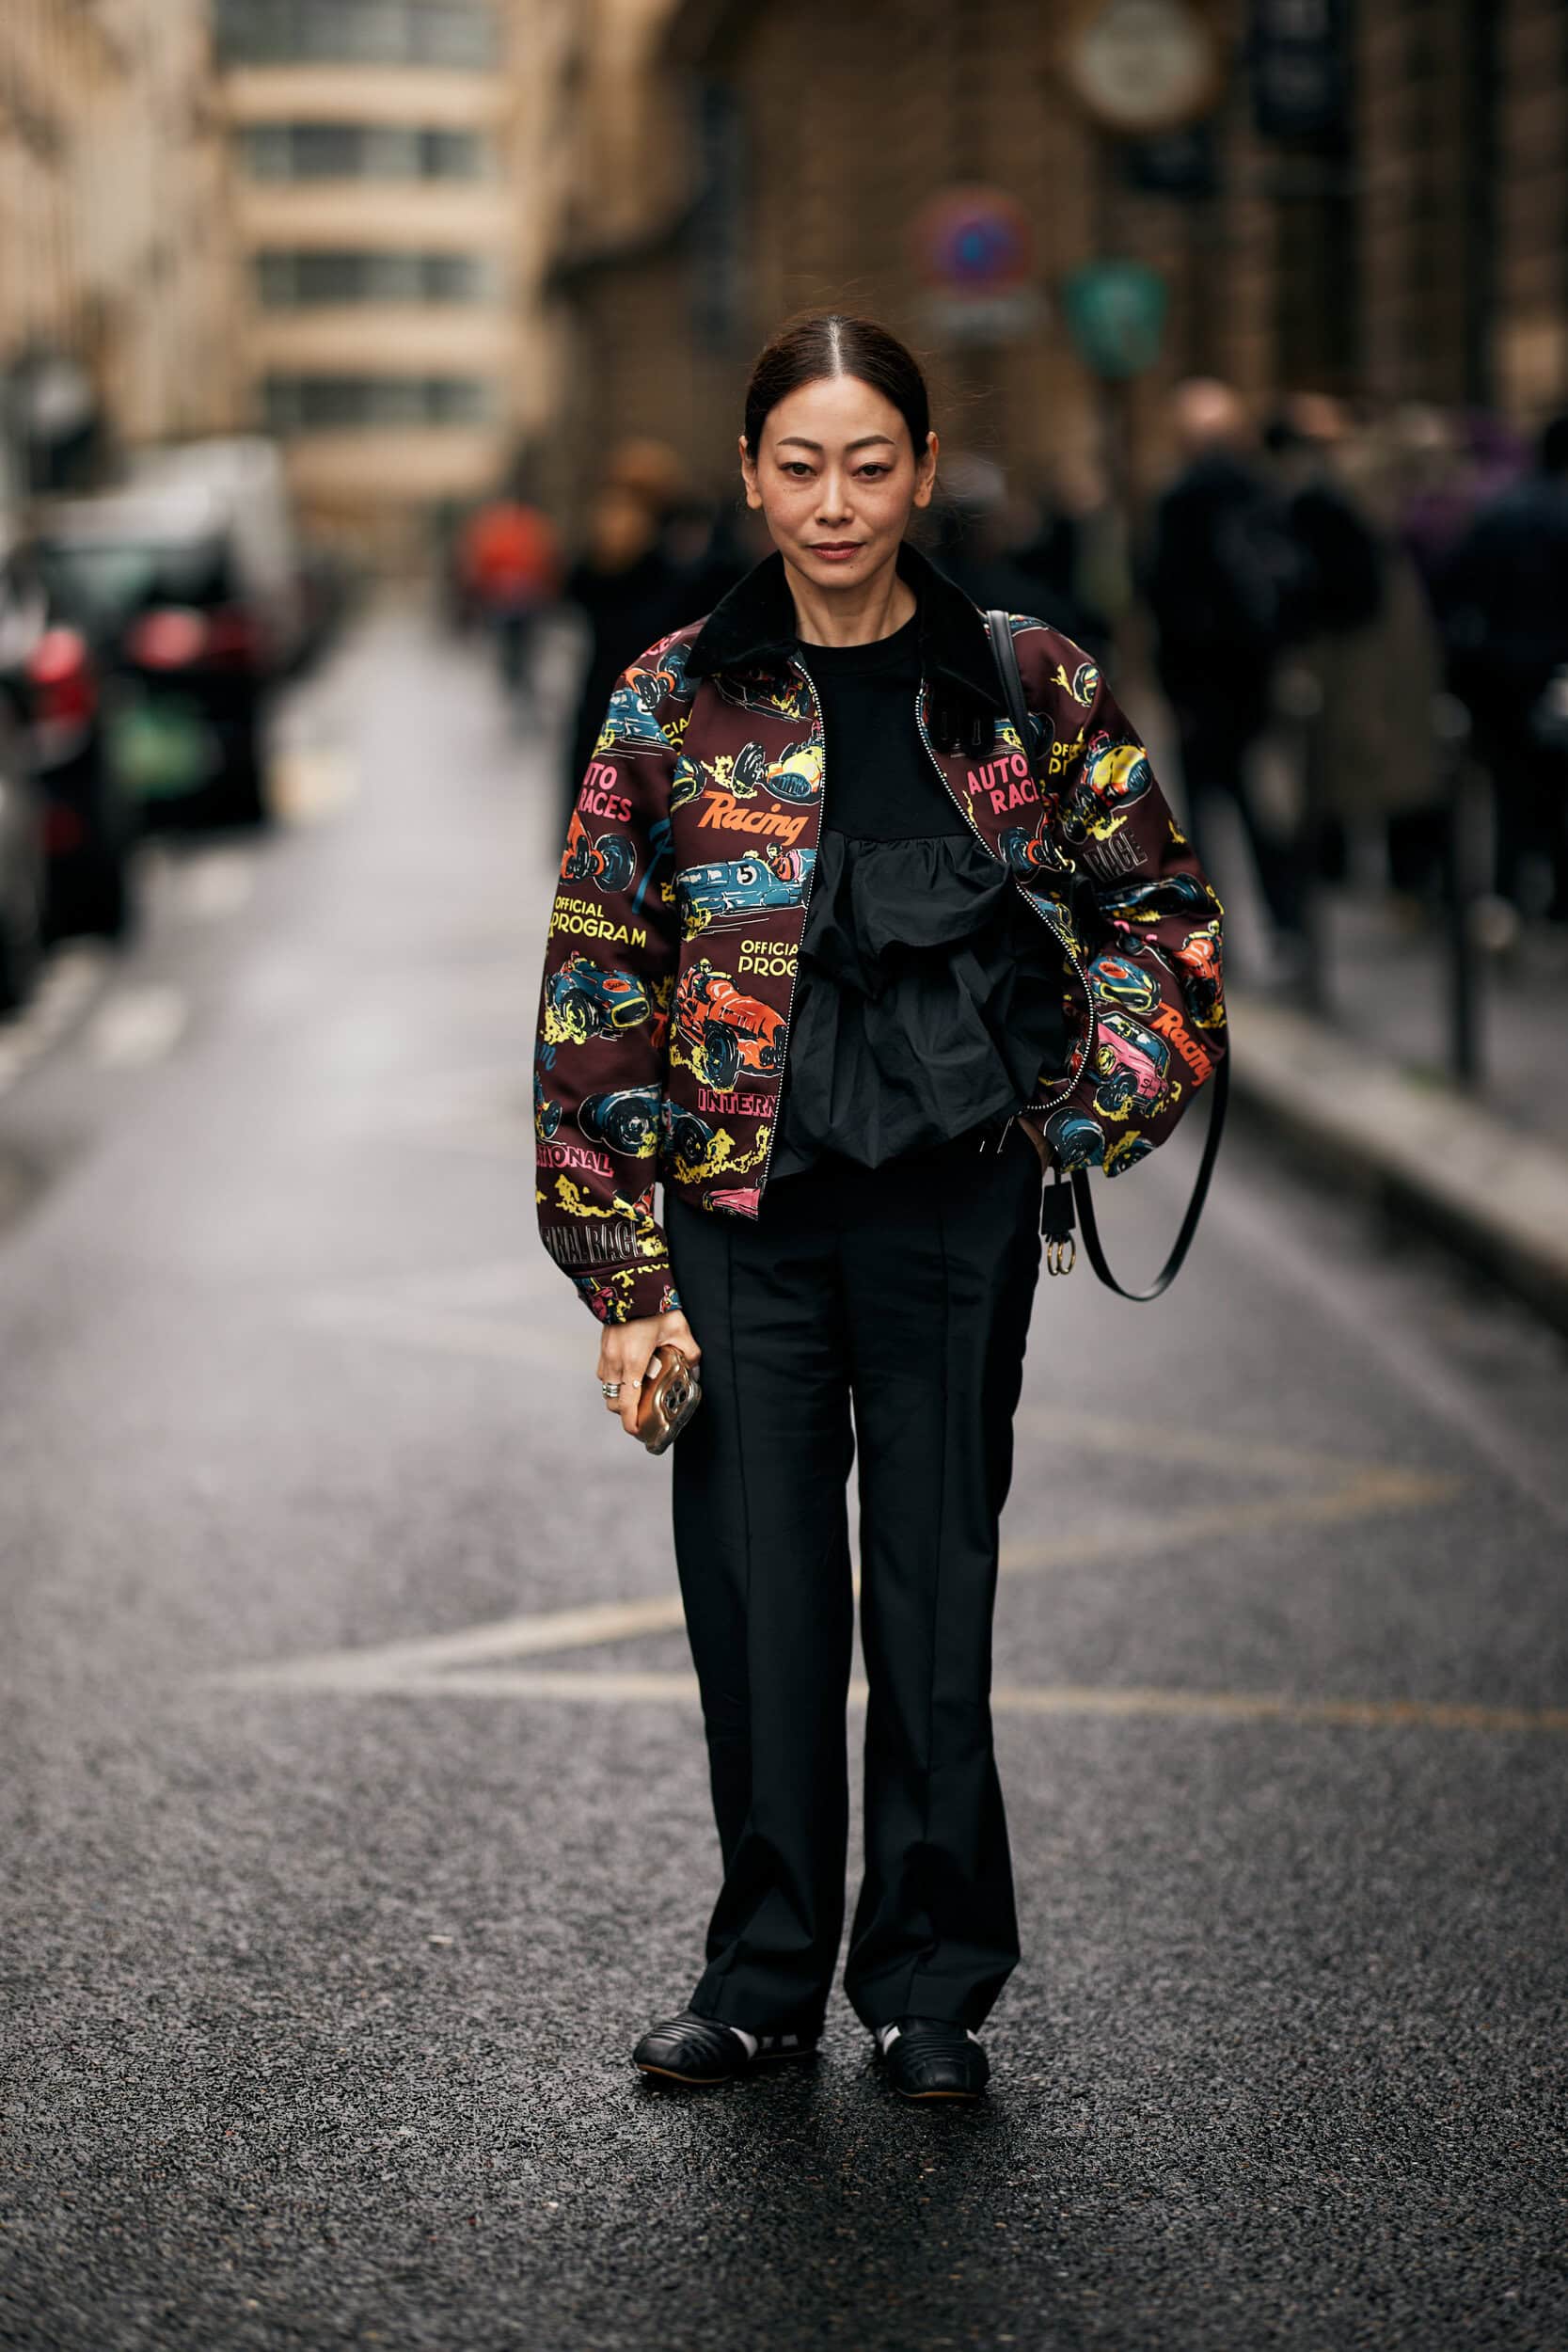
[837,342]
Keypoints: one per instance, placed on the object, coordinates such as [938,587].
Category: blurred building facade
[395,167]
[117,289]
[1367,197]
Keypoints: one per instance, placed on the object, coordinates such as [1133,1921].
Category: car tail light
[59,669]
[233,637]
[169,638]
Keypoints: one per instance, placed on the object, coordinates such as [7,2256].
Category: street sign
[1115,311]
[974,248]
[1143,65]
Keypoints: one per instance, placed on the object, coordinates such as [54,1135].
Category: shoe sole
[709,2082]
[938,2094]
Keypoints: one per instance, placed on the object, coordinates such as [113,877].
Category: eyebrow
[799,441]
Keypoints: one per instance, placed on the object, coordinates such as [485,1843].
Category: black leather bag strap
[1005,654]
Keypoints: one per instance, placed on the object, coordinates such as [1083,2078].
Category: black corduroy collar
[754,626]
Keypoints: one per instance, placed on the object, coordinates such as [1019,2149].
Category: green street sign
[1114,312]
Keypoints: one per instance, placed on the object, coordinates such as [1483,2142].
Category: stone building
[1362,199]
[115,265]
[396,166]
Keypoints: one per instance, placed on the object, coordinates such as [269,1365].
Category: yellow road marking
[358,1677]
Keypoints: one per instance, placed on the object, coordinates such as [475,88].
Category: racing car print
[1149,901]
[1077,1140]
[796,774]
[742,1199]
[1132,1069]
[1127,1150]
[546,1115]
[770,696]
[685,1141]
[607,862]
[1027,851]
[626,1121]
[585,1000]
[1112,778]
[1118,981]
[741,885]
[1199,956]
[722,1031]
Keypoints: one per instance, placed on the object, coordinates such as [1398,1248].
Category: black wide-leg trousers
[883,1311]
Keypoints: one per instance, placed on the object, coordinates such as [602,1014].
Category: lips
[837,549]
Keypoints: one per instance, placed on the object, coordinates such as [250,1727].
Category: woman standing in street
[814,962]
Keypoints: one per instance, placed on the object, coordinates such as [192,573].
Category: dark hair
[837,342]
[1553,452]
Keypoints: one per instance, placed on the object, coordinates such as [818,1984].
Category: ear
[749,474]
[926,472]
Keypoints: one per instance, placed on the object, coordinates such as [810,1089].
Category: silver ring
[611,1387]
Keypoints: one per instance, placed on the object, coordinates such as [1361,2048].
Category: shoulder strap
[1005,654]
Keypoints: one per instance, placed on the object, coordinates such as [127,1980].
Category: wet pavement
[357,1816]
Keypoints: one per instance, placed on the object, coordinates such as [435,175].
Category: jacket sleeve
[604,1011]
[1148,929]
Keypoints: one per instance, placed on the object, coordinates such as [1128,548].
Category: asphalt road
[356,1816]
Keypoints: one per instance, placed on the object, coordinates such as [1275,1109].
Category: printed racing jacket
[664,1008]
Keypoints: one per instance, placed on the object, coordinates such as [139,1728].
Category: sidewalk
[1363,1089]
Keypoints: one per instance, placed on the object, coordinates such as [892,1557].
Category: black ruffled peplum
[930,998]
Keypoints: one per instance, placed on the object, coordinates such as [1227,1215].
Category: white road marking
[70,979]
[308,782]
[215,883]
[138,1025]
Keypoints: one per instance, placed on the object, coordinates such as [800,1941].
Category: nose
[832,506]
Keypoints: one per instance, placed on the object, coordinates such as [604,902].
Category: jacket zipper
[801,672]
[1067,950]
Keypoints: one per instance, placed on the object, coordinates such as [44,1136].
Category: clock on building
[1143,65]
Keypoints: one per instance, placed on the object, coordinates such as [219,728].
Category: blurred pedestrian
[810,962]
[627,591]
[1505,600]
[510,565]
[1364,634]
[1223,582]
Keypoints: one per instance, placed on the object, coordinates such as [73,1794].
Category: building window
[460,33]
[325,403]
[286,281]
[361,150]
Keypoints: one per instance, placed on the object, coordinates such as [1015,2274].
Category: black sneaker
[693,2049]
[932,2058]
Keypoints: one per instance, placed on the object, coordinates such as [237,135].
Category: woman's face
[836,479]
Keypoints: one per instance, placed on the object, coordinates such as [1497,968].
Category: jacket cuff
[624,1293]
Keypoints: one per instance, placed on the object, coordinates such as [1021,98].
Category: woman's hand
[625,1351]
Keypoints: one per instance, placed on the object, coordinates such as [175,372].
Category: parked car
[89,819]
[21,862]
[187,586]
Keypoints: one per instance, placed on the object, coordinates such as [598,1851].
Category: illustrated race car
[1077,1140]
[685,1140]
[546,1115]
[1132,1068]
[584,999]
[795,775]
[742,885]
[1123,982]
[724,1032]
[1113,777]
[1199,957]
[1148,902]
[607,862]
[1030,852]
[626,1121]
[1127,1147]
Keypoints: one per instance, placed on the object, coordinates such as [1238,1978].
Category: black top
[928,996]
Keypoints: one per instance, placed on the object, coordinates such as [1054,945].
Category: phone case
[669,1398]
